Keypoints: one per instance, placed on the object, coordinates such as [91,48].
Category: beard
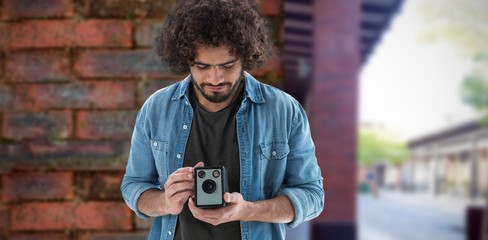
[217,97]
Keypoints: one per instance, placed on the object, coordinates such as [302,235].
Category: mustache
[218,85]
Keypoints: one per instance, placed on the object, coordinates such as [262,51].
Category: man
[221,115]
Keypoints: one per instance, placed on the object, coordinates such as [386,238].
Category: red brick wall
[73,74]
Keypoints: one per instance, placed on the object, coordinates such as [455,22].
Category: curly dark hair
[236,24]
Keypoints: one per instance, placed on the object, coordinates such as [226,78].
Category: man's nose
[216,75]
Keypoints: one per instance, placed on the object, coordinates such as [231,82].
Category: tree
[464,24]
[475,92]
[373,148]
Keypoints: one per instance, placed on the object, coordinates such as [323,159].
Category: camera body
[210,186]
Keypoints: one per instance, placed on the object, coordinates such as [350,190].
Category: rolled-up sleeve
[307,201]
[141,174]
[304,182]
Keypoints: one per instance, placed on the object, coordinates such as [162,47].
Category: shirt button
[185,126]
[178,156]
[169,233]
[273,153]
[155,144]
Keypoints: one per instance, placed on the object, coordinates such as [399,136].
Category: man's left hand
[233,211]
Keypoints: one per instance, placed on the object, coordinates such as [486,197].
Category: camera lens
[216,173]
[209,186]
[201,174]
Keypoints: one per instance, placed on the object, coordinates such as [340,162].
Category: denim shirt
[277,154]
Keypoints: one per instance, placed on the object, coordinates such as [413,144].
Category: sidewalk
[396,215]
[447,203]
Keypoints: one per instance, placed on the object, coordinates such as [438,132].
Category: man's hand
[177,189]
[233,211]
[276,210]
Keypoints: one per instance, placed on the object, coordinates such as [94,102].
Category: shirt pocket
[274,150]
[273,166]
[160,153]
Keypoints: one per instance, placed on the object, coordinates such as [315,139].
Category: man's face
[215,75]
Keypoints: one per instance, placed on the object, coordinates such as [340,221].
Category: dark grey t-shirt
[213,141]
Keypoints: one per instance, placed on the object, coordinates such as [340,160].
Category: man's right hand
[177,189]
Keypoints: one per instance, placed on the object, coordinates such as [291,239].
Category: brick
[37,186]
[28,125]
[103,33]
[73,155]
[5,97]
[118,236]
[119,63]
[41,236]
[105,124]
[147,31]
[70,216]
[16,9]
[5,36]
[4,219]
[67,33]
[103,216]
[41,34]
[76,95]
[147,87]
[1,61]
[38,66]
[99,185]
[270,7]
[42,216]
[7,156]
[125,8]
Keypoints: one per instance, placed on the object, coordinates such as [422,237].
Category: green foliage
[373,148]
[460,22]
[463,23]
[474,92]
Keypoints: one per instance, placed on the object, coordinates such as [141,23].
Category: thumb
[230,197]
[199,164]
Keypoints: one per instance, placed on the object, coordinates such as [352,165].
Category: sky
[409,87]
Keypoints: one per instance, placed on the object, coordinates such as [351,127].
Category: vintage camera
[210,186]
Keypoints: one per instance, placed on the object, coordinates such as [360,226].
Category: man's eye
[228,66]
[201,66]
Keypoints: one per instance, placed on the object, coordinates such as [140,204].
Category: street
[402,216]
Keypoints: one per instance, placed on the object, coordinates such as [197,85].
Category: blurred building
[451,162]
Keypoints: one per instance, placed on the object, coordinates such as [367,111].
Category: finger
[183,170]
[227,197]
[232,197]
[180,187]
[179,196]
[203,214]
[182,196]
[199,164]
[191,205]
[178,177]
[183,174]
